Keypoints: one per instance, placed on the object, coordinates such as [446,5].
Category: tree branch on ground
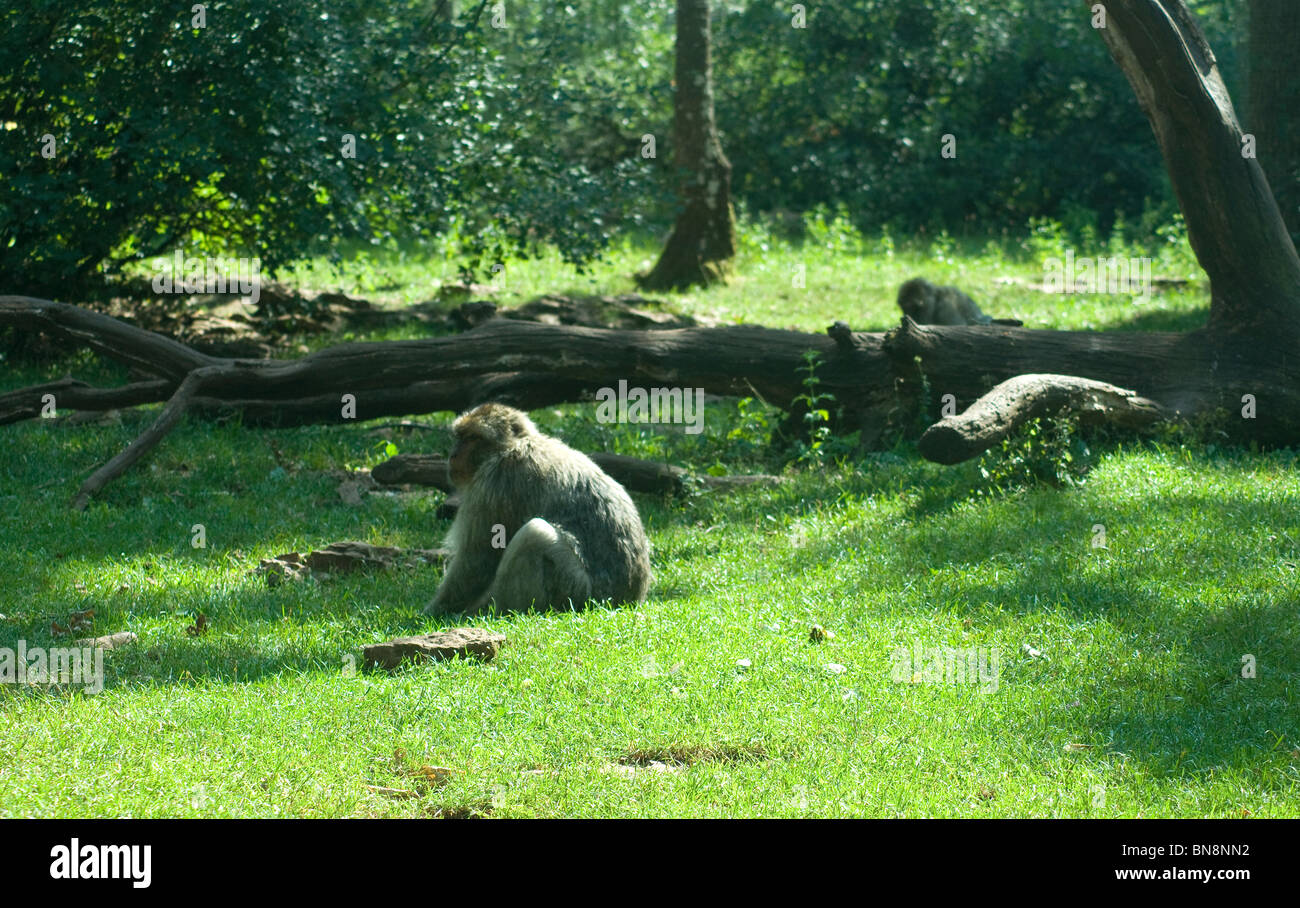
[1014,402]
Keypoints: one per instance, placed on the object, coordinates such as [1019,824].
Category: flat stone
[277,570]
[459,641]
[111,641]
[342,557]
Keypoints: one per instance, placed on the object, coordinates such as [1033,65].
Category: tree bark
[703,240]
[1274,92]
[1017,400]
[1232,219]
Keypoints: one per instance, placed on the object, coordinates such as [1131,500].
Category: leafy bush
[854,107]
[229,138]
[1042,452]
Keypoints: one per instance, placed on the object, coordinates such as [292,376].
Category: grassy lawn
[1119,690]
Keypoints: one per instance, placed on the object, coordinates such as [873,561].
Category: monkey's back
[548,479]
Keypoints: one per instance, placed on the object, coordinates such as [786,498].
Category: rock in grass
[459,641]
[343,558]
[111,641]
[277,570]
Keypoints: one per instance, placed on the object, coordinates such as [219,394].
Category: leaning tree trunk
[703,240]
[1273,93]
[1233,221]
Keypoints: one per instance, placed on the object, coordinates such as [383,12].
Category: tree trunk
[1274,93]
[703,240]
[1232,219]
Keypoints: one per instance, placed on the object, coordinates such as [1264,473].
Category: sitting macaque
[539,524]
[929,304]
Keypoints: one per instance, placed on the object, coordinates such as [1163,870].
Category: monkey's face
[467,456]
[913,300]
[486,432]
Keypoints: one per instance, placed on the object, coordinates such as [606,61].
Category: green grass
[844,276]
[1120,690]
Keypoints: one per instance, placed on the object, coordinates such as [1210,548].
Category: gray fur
[574,533]
[929,304]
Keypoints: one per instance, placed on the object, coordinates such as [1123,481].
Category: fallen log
[878,382]
[633,473]
[1015,401]
[147,439]
[525,363]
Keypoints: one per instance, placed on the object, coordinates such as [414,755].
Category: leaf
[434,775]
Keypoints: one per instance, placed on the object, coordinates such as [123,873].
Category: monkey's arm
[465,585]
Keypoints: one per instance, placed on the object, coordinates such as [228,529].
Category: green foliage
[818,445]
[230,137]
[752,433]
[1173,249]
[855,107]
[1045,452]
[1046,240]
[511,142]
[813,446]
[832,230]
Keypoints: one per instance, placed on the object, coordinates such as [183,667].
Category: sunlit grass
[1121,688]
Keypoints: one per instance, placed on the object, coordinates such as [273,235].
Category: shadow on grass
[1180,719]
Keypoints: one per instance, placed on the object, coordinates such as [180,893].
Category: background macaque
[571,533]
[929,304]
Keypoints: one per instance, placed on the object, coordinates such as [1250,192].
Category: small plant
[832,230]
[754,428]
[1045,451]
[1174,249]
[754,236]
[1046,239]
[943,249]
[1118,244]
[819,445]
[812,448]
[885,246]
